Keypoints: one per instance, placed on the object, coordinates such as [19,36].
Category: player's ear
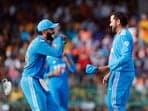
[118,22]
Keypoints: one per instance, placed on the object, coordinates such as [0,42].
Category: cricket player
[36,94]
[121,65]
[58,86]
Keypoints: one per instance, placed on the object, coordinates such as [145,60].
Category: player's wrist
[103,69]
[98,69]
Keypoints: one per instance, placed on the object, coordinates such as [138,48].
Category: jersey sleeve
[44,48]
[125,55]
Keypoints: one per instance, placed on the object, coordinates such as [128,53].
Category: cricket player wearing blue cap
[58,86]
[38,98]
[121,65]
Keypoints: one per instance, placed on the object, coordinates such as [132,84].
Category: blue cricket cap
[46,24]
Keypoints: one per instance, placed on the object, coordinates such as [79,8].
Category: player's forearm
[120,62]
[70,63]
[45,49]
[103,69]
[91,69]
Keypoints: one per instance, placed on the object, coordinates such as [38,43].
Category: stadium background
[85,22]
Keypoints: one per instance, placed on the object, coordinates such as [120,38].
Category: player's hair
[38,32]
[122,17]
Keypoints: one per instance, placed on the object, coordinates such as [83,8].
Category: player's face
[50,34]
[113,23]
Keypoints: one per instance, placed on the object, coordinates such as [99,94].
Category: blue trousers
[37,97]
[119,85]
[58,88]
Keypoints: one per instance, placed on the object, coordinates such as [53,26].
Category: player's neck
[119,29]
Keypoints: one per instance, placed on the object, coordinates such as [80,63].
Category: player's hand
[105,79]
[65,38]
[7,86]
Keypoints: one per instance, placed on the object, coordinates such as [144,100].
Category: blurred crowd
[86,24]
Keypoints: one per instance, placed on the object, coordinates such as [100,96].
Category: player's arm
[103,69]
[125,54]
[70,62]
[91,69]
[44,48]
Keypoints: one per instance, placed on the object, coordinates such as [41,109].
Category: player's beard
[50,36]
[113,28]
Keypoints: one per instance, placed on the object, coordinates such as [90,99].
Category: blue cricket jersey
[53,62]
[58,85]
[121,53]
[36,54]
